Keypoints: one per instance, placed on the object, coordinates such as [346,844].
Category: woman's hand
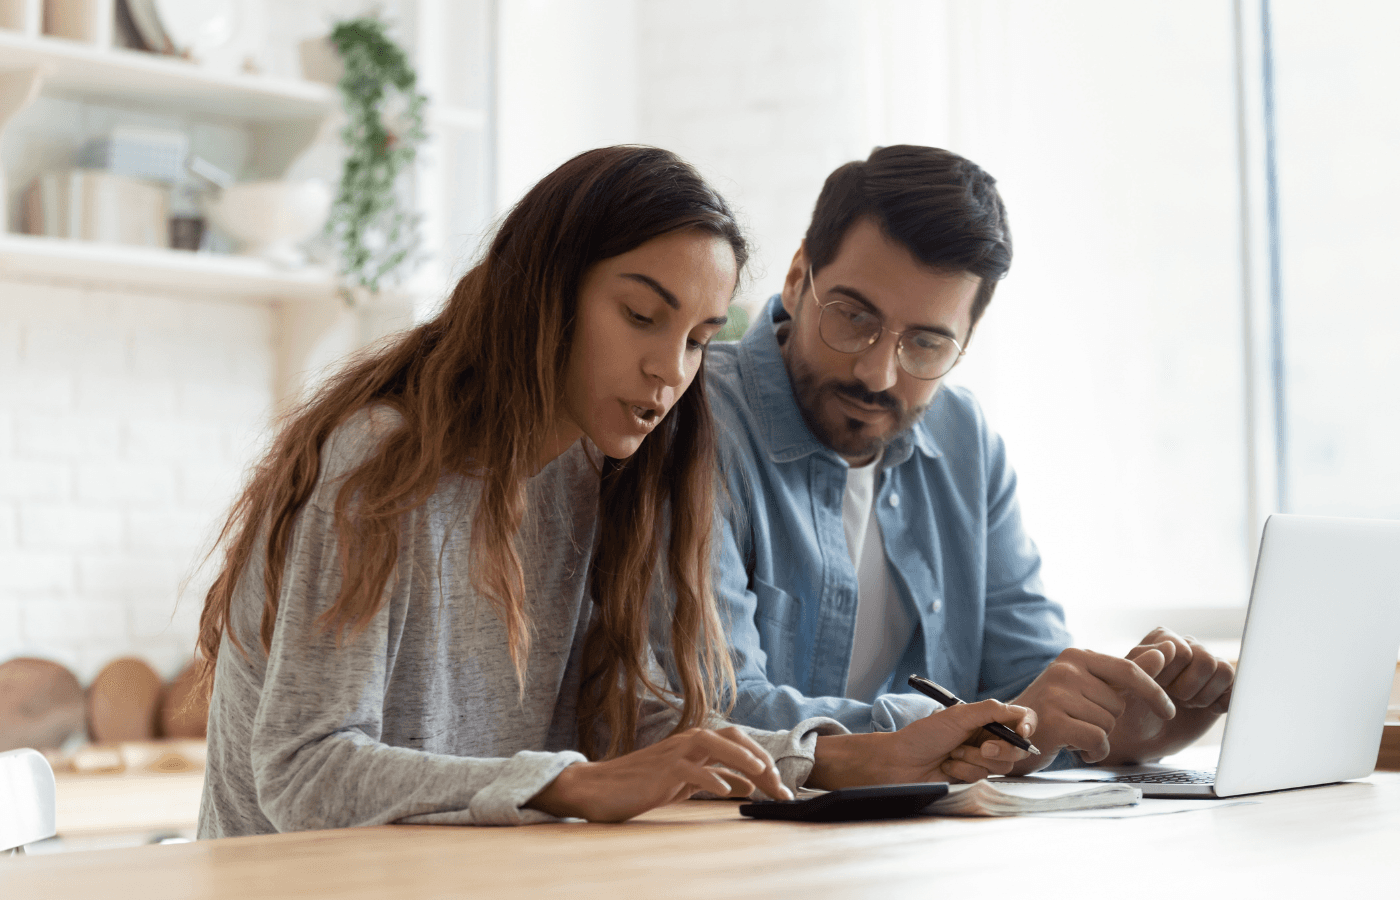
[949,745]
[682,765]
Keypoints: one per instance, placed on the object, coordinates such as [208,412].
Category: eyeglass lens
[849,329]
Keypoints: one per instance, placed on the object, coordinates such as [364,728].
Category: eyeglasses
[848,328]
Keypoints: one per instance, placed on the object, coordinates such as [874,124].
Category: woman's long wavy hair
[478,388]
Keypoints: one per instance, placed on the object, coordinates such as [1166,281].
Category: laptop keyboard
[1184,776]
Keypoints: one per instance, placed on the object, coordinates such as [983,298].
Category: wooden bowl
[1389,757]
[183,713]
[123,702]
[41,704]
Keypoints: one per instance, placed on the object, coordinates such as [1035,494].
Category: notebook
[1005,798]
[1317,660]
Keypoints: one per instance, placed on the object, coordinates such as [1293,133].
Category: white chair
[27,800]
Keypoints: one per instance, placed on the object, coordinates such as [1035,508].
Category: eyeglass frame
[899,335]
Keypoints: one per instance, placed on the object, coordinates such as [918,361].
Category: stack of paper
[987,798]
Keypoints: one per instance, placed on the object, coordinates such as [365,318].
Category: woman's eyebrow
[655,285]
[670,298]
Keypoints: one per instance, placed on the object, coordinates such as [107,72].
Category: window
[1198,327]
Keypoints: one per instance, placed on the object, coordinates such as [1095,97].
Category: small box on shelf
[23,16]
[87,21]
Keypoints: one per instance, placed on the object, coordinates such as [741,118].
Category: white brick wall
[125,424]
[765,98]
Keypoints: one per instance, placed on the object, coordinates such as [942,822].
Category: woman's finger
[732,743]
[697,777]
[739,786]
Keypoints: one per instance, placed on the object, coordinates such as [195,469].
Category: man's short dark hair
[945,209]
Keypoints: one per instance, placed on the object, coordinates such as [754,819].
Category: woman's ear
[795,280]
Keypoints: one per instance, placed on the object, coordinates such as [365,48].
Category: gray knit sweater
[419,718]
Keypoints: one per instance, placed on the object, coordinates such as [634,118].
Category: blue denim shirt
[959,557]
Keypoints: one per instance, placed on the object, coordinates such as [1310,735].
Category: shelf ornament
[372,218]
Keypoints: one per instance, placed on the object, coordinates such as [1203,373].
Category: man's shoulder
[722,364]
[724,381]
[956,407]
[955,415]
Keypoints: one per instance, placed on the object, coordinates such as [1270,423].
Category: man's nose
[877,366]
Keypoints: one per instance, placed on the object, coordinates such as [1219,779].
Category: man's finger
[982,713]
[1178,651]
[1220,678]
[1094,712]
[1125,675]
[1193,678]
[1090,740]
[1152,660]
[962,771]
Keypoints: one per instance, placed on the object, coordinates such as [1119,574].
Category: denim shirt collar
[770,395]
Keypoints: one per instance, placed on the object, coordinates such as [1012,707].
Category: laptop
[1316,665]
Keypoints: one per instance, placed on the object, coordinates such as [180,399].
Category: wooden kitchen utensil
[41,704]
[123,702]
[183,714]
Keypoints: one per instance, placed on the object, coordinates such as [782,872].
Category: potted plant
[372,219]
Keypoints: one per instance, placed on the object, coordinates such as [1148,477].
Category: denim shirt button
[894,500]
[937,606]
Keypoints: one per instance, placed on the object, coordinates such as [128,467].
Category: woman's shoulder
[358,438]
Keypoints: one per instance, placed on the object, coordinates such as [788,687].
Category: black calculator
[885,801]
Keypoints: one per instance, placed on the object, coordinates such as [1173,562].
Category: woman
[435,587]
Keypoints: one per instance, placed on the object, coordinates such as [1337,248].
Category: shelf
[197,274]
[76,69]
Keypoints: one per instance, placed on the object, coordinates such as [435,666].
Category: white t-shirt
[883,625]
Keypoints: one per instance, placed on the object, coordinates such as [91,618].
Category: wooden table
[1320,842]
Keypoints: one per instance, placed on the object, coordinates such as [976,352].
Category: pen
[945,696]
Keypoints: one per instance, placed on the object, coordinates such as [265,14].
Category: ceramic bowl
[270,218]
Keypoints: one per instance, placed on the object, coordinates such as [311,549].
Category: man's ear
[795,280]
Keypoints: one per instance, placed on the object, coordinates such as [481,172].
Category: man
[873,529]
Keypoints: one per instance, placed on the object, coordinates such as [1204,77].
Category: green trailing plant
[376,229]
[738,323]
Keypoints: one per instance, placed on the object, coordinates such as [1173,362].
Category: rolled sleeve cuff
[891,712]
[794,752]
[502,802]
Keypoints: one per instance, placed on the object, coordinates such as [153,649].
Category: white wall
[127,418]
[125,422]
[566,82]
[765,99]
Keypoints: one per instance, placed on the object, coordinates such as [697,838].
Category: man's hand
[1191,675]
[948,745]
[1198,682]
[1080,696]
[673,769]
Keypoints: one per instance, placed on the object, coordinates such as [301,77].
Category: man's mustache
[858,393]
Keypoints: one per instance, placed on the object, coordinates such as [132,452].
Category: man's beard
[846,435]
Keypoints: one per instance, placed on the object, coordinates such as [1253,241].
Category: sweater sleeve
[317,757]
